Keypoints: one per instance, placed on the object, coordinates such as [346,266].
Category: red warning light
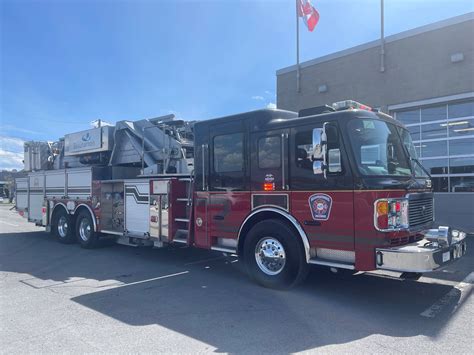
[269,186]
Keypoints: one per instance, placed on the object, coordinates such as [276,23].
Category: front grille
[420,209]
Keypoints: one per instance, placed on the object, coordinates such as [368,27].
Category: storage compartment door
[21,194]
[36,197]
[137,208]
[79,183]
[55,183]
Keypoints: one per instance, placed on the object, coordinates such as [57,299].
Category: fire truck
[335,185]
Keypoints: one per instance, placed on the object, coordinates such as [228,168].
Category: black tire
[85,231]
[282,269]
[62,226]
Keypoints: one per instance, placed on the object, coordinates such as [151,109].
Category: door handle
[219,218]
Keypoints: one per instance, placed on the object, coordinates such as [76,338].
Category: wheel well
[265,215]
[86,209]
[56,210]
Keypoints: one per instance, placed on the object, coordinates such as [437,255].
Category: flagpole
[298,88]
[382,38]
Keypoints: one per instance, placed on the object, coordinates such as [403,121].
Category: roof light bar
[350,105]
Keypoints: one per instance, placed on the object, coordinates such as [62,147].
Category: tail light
[391,214]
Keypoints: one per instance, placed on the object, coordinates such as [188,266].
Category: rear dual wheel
[63,227]
[85,233]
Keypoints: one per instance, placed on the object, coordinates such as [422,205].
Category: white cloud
[258,98]
[268,92]
[272,105]
[11,153]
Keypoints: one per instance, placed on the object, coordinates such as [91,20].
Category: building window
[443,136]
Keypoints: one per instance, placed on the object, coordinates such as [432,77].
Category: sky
[66,63]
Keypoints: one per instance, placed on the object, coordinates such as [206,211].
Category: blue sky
[66,63]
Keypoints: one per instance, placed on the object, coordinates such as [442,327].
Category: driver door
[322,205]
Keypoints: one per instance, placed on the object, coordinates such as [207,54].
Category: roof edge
[395,37]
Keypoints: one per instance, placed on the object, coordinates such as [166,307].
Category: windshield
[378,148]
[407,141]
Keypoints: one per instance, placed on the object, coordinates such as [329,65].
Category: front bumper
[438,248]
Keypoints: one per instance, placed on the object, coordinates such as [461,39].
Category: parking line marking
[149,280]
[10,224]
[462,289]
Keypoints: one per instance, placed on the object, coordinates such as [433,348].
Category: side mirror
[317,144]
[319,151]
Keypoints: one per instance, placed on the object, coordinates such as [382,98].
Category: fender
[286,215]
[91,213]
[54,209]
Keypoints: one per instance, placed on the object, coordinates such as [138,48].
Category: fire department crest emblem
[320,205]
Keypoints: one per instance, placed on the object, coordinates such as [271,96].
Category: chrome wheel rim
[85,229]
[270,256]
[62,226]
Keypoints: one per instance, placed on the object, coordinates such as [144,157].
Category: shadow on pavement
[216,303]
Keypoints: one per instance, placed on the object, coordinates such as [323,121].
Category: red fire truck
[337,185]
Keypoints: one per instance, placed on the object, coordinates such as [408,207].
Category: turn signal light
[391,214]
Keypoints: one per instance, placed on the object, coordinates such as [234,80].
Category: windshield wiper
[421,166]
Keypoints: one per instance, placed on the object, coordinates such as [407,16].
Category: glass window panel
[461,165]
[434,131]
[462,184]
[459,128]
[433,113]
[440,184]
[461,146]
[408,117]
[269,152]
[436,166]
[414,132]
[228,153]
[462,109]
[434,149]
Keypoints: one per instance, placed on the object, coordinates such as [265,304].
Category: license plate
[446,256]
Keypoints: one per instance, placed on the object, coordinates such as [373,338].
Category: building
[427,82]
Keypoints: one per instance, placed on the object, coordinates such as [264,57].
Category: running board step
[223,249]
[184,199]
[336,264]
[182,220]
[183,241]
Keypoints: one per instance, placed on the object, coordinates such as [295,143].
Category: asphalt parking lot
[61,298]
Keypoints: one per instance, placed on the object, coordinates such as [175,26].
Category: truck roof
[265,119]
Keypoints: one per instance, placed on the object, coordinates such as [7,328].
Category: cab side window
[228,153]
[304,150]
[228,162]
[269,152]
[302,176]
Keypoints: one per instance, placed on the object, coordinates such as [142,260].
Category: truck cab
[336,185]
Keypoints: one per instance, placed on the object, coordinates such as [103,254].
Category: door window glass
[228,153]
[269,152]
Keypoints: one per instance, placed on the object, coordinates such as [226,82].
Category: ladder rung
[184,179]
[183,199]
[182,220]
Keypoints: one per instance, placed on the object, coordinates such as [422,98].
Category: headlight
[391,214]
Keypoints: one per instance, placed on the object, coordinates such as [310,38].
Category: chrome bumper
[438,248]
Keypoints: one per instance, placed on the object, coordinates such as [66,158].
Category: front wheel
[85,233]
[274,256]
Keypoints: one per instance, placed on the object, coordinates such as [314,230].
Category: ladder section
[182,210]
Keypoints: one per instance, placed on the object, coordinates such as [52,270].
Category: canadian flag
[308,13]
